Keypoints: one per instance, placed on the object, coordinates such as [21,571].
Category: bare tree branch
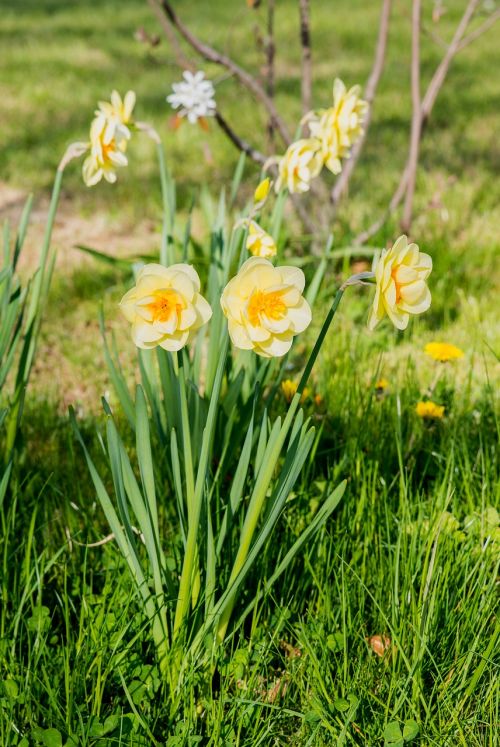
[416,120]
[371,88]
[305,40]
[212,55]
[270,52]
[488,23]
[442,69]
[426,109]
[181,58]
[241,144]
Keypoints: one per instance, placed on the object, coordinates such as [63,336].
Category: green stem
[194,520]
[165,257]
[265,475]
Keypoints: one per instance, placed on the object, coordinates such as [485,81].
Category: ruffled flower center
[271,304]
[166,303]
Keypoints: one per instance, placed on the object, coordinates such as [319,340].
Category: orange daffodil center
[165,306]
[268,305]
[166,302]
[401,289]
[265,308]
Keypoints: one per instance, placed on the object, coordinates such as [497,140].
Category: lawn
[385,625]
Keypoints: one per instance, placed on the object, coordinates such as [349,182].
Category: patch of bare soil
[57,374]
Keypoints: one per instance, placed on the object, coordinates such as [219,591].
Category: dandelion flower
[381,384]
[443,351]
[265,308]
[429,410]
[289,389]
[193,97]
[401,289]
[165,306]
[259,243]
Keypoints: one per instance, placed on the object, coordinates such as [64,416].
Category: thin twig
[246,79]
[426,109]
[241,144]
[485,26]
[416,119]
[270,48]
[305,40]
[442,69]
[181,58]
[371,88]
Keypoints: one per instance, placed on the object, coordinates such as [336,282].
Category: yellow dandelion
[429,410]
[381,384]
[289,389]
[443,351]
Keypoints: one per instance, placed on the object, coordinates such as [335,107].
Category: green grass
[412,553]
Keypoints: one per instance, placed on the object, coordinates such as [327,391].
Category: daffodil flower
[106,154]
[265,308]
[340,126]
[117,114]
[259,243]
[301,163]
[401,289]
[165,306]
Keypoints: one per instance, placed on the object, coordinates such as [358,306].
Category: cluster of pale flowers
[109,136]
[332,131]
[264,304]
[193,97]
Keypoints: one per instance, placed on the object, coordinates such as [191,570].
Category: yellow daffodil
[289,388]
[165,306]
[106,154]
[259,243]
[339,126]
[262,191]
[400,275]
[443,351]
[265,307]
[301,163]
[429,410]
[118,115]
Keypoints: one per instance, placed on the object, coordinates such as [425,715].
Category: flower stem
[165,254]
[319,342]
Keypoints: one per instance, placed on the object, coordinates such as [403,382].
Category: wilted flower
[301,163]
[262,190]
[118,115]
[443,351]
[429,410]
[259,243]
[339,126]
[400,275]
[193,97]
[265,307]
[106,154]
[165,306]
[289,389]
